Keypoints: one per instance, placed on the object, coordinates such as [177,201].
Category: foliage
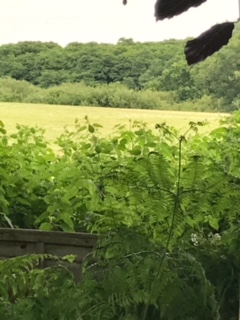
[110,290]
[165,206]
[30,293]
[48,64]
[125,274]
[114,95]
[121,75]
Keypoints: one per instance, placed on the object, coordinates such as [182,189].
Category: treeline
[113,95]
[151,66]
[48,64]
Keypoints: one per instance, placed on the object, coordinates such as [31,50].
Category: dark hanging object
[124,2]
[170,8]
[207,43]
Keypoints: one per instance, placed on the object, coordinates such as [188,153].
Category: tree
[177,78]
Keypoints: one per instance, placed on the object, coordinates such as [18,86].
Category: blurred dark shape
[207,43]
[170,8]
[124,2]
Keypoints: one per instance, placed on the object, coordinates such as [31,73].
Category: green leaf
[46,226]
[68,224]
[220,132]
[98,149]
[66,228]
[23,201]
[70,258]
[91,128]
[111,190]
[86,146]
[82,128]
[139,132]
[190,221]
[123,141]
[96,125]
[136,151]
[214,223]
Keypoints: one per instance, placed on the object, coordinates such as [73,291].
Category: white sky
[65,21]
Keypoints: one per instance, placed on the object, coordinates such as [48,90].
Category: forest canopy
[154,66]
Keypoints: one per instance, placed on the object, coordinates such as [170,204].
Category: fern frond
[17,274]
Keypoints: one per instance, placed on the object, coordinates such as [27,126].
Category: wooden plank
[62,250]
[27,235]
[75,268]
[15,248]
[18,242]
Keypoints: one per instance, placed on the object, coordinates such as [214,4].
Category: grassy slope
[54,118]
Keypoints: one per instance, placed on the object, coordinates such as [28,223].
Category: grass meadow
[53,118]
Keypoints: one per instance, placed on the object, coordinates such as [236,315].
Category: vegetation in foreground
[165,206]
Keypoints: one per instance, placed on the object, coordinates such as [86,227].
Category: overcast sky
[65,21]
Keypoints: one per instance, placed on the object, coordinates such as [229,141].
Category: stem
[175,209]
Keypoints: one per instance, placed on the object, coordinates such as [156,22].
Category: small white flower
[194,239]
[217,236]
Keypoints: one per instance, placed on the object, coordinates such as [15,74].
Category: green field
[54,118]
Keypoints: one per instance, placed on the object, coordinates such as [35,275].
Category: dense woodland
[157,70]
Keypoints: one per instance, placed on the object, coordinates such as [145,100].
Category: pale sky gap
[65,21]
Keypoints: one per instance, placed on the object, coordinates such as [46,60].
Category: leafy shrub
[24,161]
[165,204]
[15,91]
[114,95]
[30,293]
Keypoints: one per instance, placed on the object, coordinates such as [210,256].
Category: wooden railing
[18,242]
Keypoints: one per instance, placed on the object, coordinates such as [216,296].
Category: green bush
[113,95]
[165,206]
[15,91]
